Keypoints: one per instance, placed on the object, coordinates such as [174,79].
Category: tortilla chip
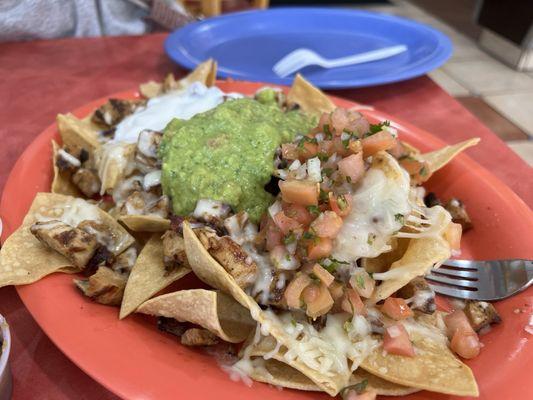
[211,272]
[77,134]
[214,311]
[148,276]
[205,73]
[433,368]
[113,167]
[145,223]
[421,254]
[276,371]
[311,100]
[24,259]
[383,262]
[61,183]
[412,150]
[439,158]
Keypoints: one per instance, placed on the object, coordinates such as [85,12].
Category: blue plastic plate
[247,44]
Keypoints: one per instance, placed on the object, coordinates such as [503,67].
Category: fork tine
[460,273]
[287,67]
[297,62]
[452,281]
[453,292]
[288,61]
[462,264]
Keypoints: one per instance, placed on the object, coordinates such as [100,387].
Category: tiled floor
[499,96]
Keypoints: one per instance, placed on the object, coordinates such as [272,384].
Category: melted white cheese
[160,110]
[368,228]
[71,212]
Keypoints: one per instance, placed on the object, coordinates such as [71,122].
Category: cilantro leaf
[314,210]
[375,128]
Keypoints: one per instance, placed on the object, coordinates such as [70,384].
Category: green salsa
[226,154]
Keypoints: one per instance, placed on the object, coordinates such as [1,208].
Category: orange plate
[134,360]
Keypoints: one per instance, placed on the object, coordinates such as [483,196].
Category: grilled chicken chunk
[198,337]
[230,255]
[73,243]
[172,326]
[144,203]
[87,181]
[101,231]
[481,314]
[115,110]
[124,261]
[458,212]
[66,161]
[420,294]
[173,250]
[278,284]
[147,148]
[105,286]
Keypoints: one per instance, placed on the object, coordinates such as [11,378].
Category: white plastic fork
[300,58]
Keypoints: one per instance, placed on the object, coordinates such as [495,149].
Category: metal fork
[482,280]
[301,58]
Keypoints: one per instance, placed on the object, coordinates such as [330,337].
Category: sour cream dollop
[159,111]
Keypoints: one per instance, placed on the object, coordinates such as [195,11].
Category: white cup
[5,372]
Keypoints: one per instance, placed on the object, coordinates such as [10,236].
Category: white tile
[524,148]
[449,84]
[488,77]
[516,107]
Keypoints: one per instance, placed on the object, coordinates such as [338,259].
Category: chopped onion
[152,179]
[206,209]
[313,169]
[295,165]
[274,209]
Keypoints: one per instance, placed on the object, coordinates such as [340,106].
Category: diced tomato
[457,321]
[273,235]
[307,150]
[368,394]
[326,278]
[382,140]
[295,288]
[352,166]
[299,192]
[341,204]
[396,308]
[340,147]
[362,283]
[465,344]
[398,151]
[297,212]
[326,147]
[352,303]
[319,248]
[418,170]
[337,290]
[327,225]
[339,120]
[324,120]
[317,299]
[396,341]
[289,151]
[286,224]
[357,124]
[453,235]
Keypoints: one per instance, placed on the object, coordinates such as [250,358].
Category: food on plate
[308,223]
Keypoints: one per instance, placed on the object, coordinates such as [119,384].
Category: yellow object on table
[214,7]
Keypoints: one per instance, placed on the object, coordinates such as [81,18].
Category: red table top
[43,78]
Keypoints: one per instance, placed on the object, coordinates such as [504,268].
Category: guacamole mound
[226,154]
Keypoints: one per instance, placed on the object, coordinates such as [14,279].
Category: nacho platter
[198,266]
